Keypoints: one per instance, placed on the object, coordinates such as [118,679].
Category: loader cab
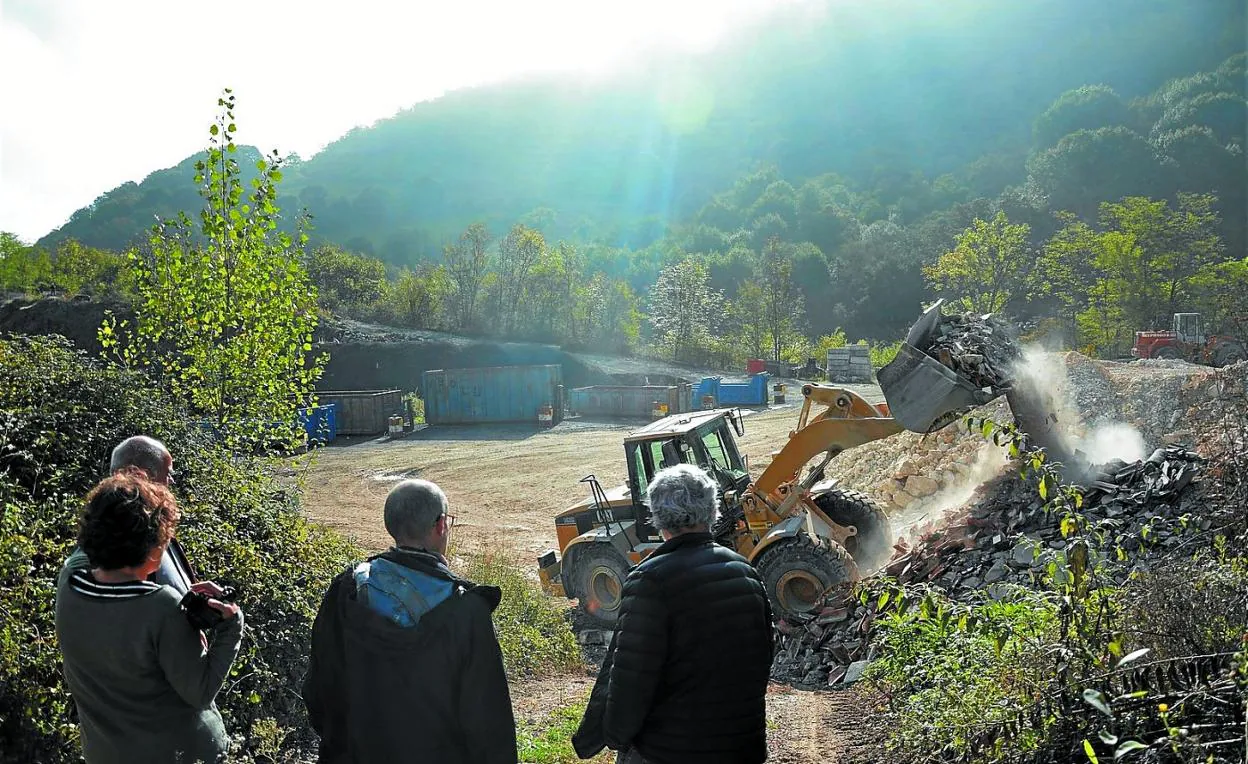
[701,440]
[1187,328]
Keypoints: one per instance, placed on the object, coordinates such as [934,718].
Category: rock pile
[1166,402]
[1004,537]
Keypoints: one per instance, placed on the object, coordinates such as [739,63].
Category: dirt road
[505,484]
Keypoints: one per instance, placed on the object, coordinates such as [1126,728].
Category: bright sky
[98,92]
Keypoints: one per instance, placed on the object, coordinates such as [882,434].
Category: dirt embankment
[365,356]
[77,319]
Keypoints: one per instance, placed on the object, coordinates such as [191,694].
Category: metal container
[493,394]
[751,392]
[320,423]
[625,401]
[364,412]
[755,366]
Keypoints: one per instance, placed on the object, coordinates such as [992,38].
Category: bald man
[151,456]
[405,664]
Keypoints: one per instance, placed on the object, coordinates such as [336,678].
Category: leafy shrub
[61,413]
[882,354]
[948,681]
[532,632]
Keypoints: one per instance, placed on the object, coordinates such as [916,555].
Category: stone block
[920,486]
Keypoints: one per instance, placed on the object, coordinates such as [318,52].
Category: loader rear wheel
[1228,353]
[872,545]
[598,582]
[1167,353]
[799,571]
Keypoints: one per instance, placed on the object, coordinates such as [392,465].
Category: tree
[1087,108]
[518,252]
[877,282]
[225,309]
[984,271]
[418,298]
[615,315]
[467,263]
[1066,273]
[684,310]
[1175,244]
[1088,167]
[782,303]
[346,279]
[749,319]
[23,268]
[1144,261]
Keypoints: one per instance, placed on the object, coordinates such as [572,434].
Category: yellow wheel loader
[802,533]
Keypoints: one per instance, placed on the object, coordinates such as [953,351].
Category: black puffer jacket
[685,678]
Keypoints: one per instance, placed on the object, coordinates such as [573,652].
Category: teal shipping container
[493,394]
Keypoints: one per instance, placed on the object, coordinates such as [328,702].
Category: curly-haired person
[144,680]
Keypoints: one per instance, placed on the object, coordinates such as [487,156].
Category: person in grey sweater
[144,680]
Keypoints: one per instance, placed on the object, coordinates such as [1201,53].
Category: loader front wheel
[598,582]
[872,545]
[798,572]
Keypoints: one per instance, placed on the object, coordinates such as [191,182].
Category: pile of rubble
[1166,402]
[1003,537]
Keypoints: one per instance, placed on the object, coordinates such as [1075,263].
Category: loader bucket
[922,393]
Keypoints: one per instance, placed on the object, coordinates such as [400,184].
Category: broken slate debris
[1002,537]
[980,348]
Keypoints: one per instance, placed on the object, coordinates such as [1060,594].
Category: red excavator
[1187,341]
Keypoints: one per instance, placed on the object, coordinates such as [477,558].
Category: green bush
[61,412]
[949,682]
[535,638]
[883,354]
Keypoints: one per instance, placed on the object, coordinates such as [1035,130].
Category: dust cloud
[1043,378]
[909,522]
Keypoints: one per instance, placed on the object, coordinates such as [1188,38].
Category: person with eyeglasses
[154,460]
[405,664]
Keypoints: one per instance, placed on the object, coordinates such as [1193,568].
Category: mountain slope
[872,91]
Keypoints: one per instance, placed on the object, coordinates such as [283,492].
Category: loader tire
[1167,353]
[598,582]
[1228,353]
[799,572]
[872,546]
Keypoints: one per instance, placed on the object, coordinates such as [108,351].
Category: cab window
[639,469]
[715,447]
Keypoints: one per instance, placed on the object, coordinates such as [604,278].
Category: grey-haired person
[685,677]
[154,460]
[405,664]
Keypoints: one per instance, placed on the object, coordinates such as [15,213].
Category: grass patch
[535,638]
[550,740]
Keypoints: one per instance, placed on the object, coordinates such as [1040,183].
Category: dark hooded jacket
[380,689]
[685,678]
